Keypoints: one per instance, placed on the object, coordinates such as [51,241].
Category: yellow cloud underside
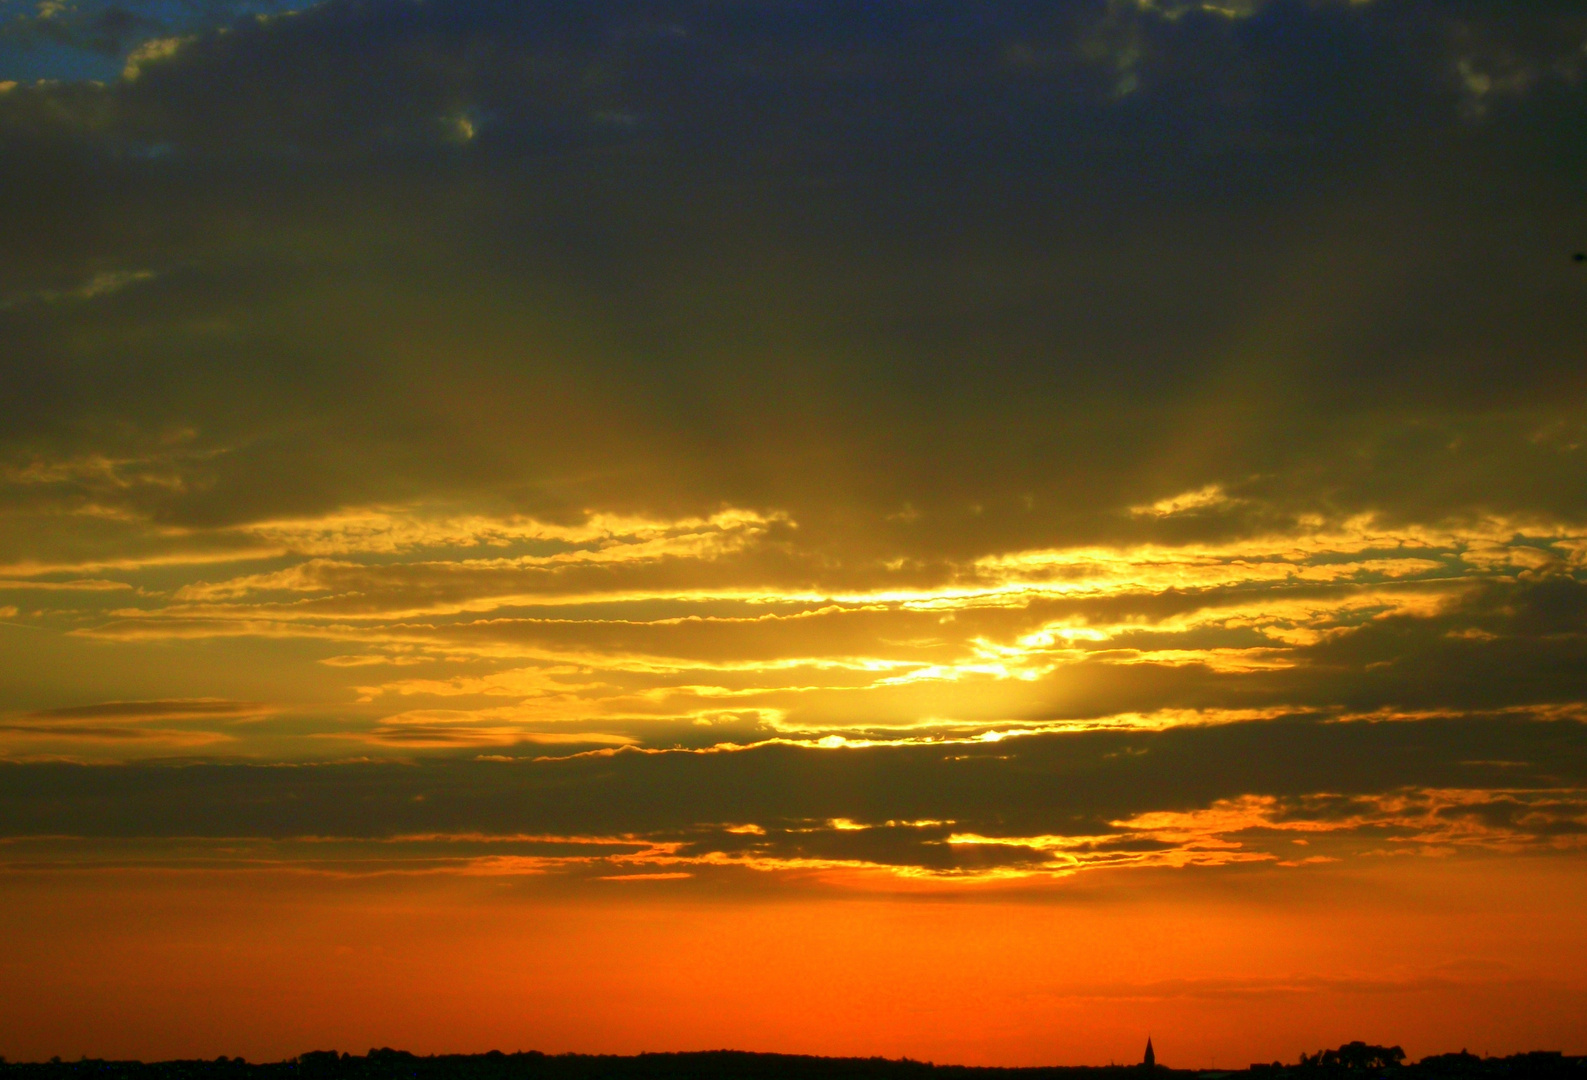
[557,625]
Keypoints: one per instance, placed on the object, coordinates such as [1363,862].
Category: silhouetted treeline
[1363,1059]
[1351,1060]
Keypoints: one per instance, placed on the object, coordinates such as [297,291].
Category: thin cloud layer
[1281,793]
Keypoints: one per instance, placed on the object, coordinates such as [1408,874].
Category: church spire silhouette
[1151,1058]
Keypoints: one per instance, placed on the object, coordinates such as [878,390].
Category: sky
[971,529]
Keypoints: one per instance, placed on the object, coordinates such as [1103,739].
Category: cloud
[73,585]
[1040,804]
[1361,621]
[101,284]
[779,417]
[204,722]
[152,51]
[176,709]
[485,727]
[113,737]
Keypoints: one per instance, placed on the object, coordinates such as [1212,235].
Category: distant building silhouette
[1150,1061]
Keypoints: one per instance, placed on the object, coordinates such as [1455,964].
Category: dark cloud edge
[1056,784]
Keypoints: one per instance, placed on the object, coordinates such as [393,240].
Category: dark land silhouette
[1351,1060]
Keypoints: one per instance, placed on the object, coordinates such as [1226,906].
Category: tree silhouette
[1355,1057]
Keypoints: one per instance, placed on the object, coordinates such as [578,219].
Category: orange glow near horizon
[160,964]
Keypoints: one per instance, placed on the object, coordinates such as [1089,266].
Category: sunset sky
[969,529]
